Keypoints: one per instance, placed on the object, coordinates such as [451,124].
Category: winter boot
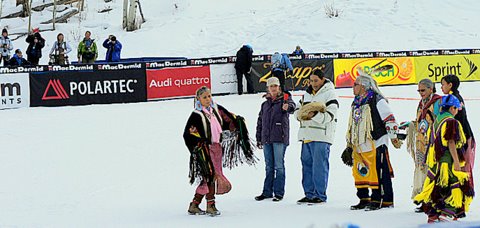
[361,205]
[211,209]
[372,206]
[195,210]
[432,219]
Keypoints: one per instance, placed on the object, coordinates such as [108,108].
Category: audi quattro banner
[103,86]
[176,82]
[296,80]
[402,71]
[435,67]
[14,91]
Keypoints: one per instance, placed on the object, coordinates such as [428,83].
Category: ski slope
[126,165]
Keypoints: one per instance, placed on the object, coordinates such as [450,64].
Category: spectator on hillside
[59,51]
[243,66]
[114,49]
[18,60]
[35,44]
[87,49]
[5,47]
[298,51]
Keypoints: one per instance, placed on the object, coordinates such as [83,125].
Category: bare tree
[130,21]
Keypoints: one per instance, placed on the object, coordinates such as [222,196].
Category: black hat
[4,31]
[113,38]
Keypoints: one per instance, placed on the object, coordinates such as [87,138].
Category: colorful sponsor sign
[14,91]
[296,80]
[176,82]
[466,67]
[402,70]
[224,78]
[82,88]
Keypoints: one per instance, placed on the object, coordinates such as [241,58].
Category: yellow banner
[402,71]
[435,67]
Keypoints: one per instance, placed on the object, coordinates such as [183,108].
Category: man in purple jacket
[273,129]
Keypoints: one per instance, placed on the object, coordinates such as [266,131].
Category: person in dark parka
[35,44]
[273,129]
[243,66]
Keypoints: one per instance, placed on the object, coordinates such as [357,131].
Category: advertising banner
[402,71]
[14,91]
[435,67]
[296,80]
[176,82]
[224,78]
[81,88]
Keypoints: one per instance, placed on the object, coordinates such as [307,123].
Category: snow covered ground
[126,165]
[205,28]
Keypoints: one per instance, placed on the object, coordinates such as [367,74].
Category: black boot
[373,206]
[361,205]
[261,197]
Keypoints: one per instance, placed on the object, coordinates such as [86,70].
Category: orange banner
[402,71]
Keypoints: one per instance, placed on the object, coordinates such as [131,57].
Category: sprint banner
[435,67]
[402,71]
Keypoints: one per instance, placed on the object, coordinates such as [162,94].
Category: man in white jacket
[317,113]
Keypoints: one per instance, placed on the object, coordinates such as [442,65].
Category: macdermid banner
[402,70]
[14,91]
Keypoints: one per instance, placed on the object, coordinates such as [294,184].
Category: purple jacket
[273,124]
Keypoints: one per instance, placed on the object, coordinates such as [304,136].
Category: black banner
[298,80]
[104,85]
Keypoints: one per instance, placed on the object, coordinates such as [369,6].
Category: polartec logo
[60,93]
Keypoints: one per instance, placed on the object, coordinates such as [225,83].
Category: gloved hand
[397,143]
[347,156]
[259,145]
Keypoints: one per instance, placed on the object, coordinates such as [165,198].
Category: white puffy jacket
[321,127]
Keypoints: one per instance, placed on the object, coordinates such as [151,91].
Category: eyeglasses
[421,90]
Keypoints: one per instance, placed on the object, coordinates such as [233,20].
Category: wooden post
[29,7]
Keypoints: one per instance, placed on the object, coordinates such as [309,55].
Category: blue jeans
[315,169]
[274,169]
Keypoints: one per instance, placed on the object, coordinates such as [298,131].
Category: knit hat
[4,31]
[273,81]
[450,100]
[36,30]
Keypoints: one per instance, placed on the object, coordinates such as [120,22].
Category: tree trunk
[131,16]
[125,13]
[54,12]
[29,10]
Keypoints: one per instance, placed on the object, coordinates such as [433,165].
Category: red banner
[176,82]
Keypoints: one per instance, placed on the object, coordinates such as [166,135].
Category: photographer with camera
[35,44]
[87,49]
[59,51]
[114,48]
[5,47]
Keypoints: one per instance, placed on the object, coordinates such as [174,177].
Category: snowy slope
[126,166]
[204,28]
